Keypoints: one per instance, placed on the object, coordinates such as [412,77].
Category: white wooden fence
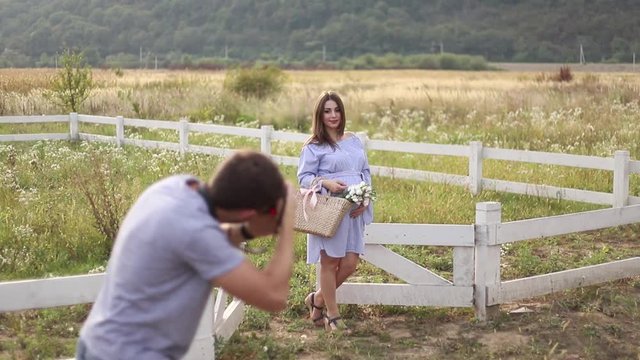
[476,247]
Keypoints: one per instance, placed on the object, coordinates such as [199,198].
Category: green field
[48,226]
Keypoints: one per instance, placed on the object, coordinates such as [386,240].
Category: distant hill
[132,32]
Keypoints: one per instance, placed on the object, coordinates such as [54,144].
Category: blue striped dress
[347,162]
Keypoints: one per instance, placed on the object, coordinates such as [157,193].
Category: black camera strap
[202,190]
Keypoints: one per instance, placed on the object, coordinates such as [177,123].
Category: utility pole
[146,59]
[582,60]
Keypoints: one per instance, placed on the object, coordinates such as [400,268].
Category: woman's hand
[358,211]
[334,186]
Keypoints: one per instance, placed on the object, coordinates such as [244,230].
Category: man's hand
[267,224]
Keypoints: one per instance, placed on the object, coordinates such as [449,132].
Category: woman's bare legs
[333,272]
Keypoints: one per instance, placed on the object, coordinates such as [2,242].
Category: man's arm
[266,289]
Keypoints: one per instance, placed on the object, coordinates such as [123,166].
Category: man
[177,241]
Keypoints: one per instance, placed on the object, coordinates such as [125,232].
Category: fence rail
[621,165]
[513,290]
[563,224]
[476,278]
[43,293]
[537,157]
[33,119]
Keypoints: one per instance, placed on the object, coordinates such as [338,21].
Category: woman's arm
[308,166]
[367,212]
[366,171]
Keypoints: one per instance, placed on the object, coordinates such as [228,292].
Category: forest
[148,33]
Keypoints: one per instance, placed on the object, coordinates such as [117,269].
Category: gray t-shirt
[158,278]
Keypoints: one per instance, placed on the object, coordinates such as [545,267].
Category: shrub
[450,62]
[564,75]
[256,82]
[72,85]
[422,61]
[100,184]
[223,108]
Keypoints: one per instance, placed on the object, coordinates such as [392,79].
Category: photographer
[180,239]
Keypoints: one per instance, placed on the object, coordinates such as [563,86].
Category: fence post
[119,131]
[487,255]
[265,139]
[621,179]
[475,167]
[202,347]
[363,139]
[73,126]
[184,136]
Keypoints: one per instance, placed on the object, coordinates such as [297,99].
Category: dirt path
[590,323]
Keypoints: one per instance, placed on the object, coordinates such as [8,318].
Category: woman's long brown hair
[319,134]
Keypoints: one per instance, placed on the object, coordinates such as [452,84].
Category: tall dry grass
[593,114]
[47,226]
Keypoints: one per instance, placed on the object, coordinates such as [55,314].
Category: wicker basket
[322,219]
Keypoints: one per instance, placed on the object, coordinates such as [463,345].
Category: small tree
[72,84]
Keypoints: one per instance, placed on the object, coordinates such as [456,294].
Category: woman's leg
[346,267]
[328,272]
[333,273]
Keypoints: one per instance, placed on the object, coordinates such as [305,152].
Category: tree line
[149,33]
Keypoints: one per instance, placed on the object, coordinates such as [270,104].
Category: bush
[72,84]
[564,75]
[101,186]
[125,61]
[223,108]
[256,82]
[450,62]
[422,61]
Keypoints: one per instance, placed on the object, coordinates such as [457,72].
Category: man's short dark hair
[246,180]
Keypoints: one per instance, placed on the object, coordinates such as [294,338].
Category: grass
[47,227]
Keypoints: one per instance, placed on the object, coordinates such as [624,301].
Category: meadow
[60,202]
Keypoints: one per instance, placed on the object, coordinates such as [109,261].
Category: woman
[334,159]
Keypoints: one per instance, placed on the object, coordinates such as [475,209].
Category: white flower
[361,193]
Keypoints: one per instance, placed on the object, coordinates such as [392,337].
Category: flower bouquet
[361,194]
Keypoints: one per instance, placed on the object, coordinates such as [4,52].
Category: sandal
[310,302]
[335,324]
